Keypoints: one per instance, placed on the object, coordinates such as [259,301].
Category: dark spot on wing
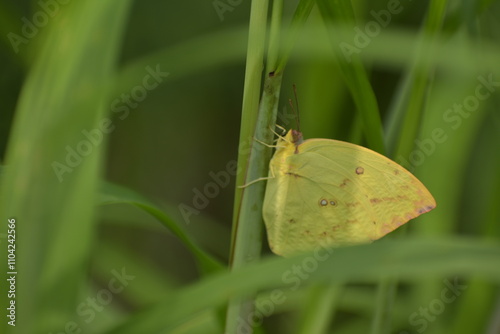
[360,170]
[344,183]
[325,202]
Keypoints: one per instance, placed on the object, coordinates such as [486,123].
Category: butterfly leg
[281,128]
[254,181]
[277,134]
[258,180]
[265,144]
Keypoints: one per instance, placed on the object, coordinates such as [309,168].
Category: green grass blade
[476,308]
[246,241]
[319,309]
[64,95]
[274,36]
[415,259]
[114,194]
[353,70]
[299,18]
[386,293]
[419,78]
[247,221]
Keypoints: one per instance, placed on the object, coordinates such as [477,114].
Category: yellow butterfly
[332,193]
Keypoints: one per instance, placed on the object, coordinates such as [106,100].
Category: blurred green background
[156,88]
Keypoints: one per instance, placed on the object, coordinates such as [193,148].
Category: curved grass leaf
[410,260]
[114,194]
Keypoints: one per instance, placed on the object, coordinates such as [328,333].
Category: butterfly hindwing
[328,192]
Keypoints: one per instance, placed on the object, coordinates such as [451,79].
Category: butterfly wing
[333,193]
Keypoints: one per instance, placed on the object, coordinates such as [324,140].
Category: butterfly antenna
[295,113]
[297,104]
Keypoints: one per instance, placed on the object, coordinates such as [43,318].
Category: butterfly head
[288,144]
[295,137]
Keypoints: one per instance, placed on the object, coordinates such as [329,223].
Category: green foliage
[107,105]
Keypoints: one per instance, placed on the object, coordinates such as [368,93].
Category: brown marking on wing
[425,209]
[388,199]
[344,183]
